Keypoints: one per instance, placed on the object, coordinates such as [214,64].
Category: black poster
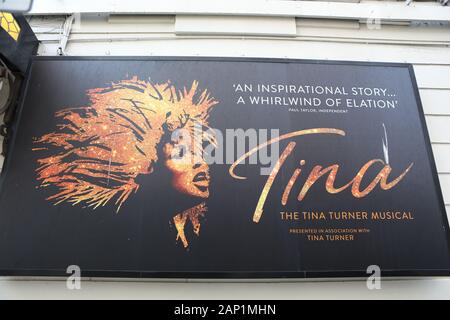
[227,168]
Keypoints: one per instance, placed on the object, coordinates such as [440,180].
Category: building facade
[377,31]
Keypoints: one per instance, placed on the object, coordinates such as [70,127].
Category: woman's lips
[199,177]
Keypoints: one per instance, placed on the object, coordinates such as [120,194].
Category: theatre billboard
[221,168]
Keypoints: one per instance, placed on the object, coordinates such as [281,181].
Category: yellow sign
[10,25]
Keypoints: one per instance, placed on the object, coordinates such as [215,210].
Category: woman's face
[190,171]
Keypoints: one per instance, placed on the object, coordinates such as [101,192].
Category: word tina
[226,309]
[318,171]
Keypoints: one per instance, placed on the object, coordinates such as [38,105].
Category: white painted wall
[306,30]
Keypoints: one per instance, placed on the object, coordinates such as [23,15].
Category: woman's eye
[180,153]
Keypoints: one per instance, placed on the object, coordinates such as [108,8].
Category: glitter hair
[98,150]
